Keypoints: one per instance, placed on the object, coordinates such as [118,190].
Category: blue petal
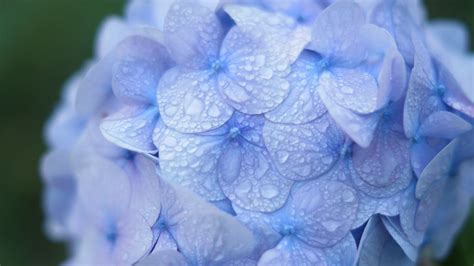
[384,62]
[92,249]
[142,12]
[95,88]
[420,100]
[132,128]
[377,247]
[438,168]
[249,178]
[104,189]
[385,160]
[303,103]
[360,128]
[144,181]
[60,194]
[111,32]
[304,11]
[138,70]
[256,63]
[336,34]
[369,205]
[92,142]
[262,228]
[165,242]
[451,214]
[250,127]
[191,160]
[423,151]
[321,212]
[190,102]
[65,124]
[135,239]
[56,164]
[395,16]
[305,151]
[452,34]
[392,224]
[275,28]
[193,34]
[454,95]
[164,257]
[465,173]
[352,89]
[417,213]
[205,235]
[342,253]
[291,251]
[453,125]
[242,262]
[399,183]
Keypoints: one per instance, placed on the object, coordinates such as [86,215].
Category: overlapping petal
[335,34]
[303,103]
[190,102]
[250,180]
[359,127]
[247,51]
[191,160]
[305,151]
[132,127]
[205,235]
[320,213]
[377,246]
[193,33]
[386,160]
[395,17]
[290,251]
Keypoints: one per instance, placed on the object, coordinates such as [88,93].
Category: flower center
[112,234]
[288,230]
[216,66]
[440,90]
[234,132]
[322,65]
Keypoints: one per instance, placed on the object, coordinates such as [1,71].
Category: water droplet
[214,111]
[348,196]
[283,156]
[195,107]
[331,226]
[269,191]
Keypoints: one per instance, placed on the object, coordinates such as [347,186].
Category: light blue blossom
[266,132]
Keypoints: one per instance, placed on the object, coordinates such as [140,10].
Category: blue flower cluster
[234,132]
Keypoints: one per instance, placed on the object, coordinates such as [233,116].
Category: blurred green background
[42,42]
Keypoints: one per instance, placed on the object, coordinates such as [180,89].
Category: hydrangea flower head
[264,132]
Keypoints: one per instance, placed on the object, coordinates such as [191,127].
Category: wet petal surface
[304,151]
[132,128]
[250,180]
[193,33]
[190,160]
[303,103]
[189,101]
[256,60]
